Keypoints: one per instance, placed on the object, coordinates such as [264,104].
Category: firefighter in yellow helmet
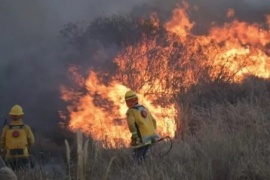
[16,139]
[142,125]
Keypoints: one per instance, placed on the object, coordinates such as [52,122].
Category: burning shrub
[159,60]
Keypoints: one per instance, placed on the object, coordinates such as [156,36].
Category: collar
[17,122]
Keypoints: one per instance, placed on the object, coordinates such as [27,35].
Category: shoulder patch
[144,113]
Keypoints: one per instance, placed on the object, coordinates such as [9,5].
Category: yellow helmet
[130,95]
[16,110]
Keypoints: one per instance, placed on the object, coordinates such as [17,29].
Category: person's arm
[131,124]
[30,136]
[3,138]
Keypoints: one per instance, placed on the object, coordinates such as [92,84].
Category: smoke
[208,11]
[205,12]
[259,4]
[33,62]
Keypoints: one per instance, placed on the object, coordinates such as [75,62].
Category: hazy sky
[29,47]
[30,72]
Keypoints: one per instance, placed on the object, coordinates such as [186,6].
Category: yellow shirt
[30,136]
[141,123]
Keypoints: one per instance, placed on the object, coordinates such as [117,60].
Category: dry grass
[7,174]
[68,159]
[221,141]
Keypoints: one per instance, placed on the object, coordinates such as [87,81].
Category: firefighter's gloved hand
[2,150]
[134,141]
[154,140]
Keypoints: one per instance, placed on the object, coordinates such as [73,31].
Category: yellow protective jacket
[15,147]
[141,123]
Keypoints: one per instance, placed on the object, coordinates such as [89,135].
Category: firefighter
[16,140]
[141,124]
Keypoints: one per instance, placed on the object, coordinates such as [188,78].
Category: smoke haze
[32,64]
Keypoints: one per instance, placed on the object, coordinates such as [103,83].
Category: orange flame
[268,20]
[101,113]
[159,71]
[237,47]
[230,13]
[180,23]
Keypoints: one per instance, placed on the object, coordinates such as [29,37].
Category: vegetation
[217,140]
[223,133]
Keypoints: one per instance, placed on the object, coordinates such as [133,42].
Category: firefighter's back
[16,146]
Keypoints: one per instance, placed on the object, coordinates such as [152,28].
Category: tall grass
[220,140]
[68,159]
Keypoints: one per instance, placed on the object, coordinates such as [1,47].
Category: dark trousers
[139,154]
[18,163]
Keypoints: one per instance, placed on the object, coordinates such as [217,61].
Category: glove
[154,140]
[2,152]
[134,141]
